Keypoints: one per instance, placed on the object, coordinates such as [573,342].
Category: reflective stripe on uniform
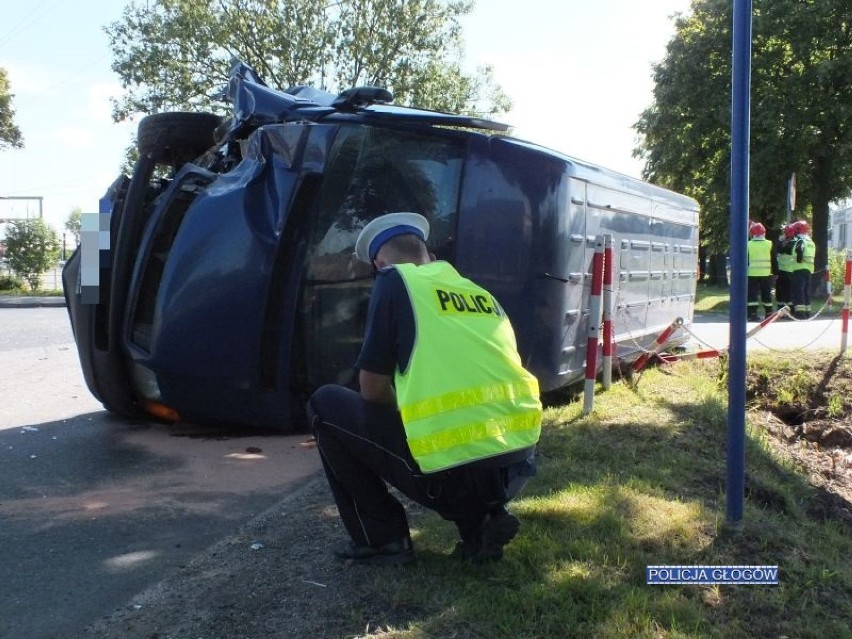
[493,428]
[454,447]
[469,397]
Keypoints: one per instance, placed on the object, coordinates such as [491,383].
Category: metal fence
[50,281]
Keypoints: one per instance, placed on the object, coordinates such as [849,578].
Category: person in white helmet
[445,413]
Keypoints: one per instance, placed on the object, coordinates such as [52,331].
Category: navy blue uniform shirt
[389,336]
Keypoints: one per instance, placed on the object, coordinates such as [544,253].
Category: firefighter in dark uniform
[759,272]
[446,413]
[786,265]
[804,251]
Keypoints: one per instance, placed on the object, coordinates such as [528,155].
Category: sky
[577,71]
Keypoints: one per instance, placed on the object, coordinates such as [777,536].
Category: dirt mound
[806,407]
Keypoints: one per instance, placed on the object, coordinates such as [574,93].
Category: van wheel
[176,137]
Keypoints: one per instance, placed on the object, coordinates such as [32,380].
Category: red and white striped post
[606,350]
[594,326]
[659,343]
[668,358]
[847,287]
[784,310]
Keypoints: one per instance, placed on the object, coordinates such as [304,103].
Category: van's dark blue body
[232,291]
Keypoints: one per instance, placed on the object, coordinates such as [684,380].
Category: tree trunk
[819,227]
[717,269]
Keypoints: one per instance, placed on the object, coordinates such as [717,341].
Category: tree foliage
[801,114]
[10,134]
[73,224]
[32,248]
[175,54]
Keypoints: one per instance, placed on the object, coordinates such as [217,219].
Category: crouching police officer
[446,413]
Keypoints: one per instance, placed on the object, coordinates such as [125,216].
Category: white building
[839,232]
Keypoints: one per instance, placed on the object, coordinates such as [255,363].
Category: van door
[370,171]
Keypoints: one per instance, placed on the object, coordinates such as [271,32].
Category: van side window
[373,171]
[370,171]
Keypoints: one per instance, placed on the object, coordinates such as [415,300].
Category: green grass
[15,286]
[640,481]
[39,292]
[711,298]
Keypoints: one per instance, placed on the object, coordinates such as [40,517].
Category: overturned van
[230,290]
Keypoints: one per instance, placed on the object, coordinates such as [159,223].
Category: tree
[73,223]
[800,113]
[32,248]
[175,54]
[10,134]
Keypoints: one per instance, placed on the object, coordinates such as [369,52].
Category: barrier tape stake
[594,326]
[784,310]
[659,343]
[608,268]
[847,287]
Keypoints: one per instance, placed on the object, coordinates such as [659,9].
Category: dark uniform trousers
[801,293]
[759,293]
[782,289]
[362,446]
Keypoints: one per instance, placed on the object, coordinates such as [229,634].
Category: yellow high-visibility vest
[759,258]
[808,255]
[786,258]
[464,395]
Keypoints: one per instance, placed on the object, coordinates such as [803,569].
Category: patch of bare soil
[807,411]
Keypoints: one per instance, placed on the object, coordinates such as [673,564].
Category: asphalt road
[96,509]
[714,331]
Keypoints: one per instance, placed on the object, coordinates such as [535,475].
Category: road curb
[25,301]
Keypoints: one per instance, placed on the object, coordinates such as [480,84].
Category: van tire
[170,136]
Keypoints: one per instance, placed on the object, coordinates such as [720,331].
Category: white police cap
[383,228]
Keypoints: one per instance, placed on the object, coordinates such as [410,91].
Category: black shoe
[394,553]
[465,550]
[497,531]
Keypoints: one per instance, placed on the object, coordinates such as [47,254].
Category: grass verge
[640,481]
[39,292]
[710,298]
